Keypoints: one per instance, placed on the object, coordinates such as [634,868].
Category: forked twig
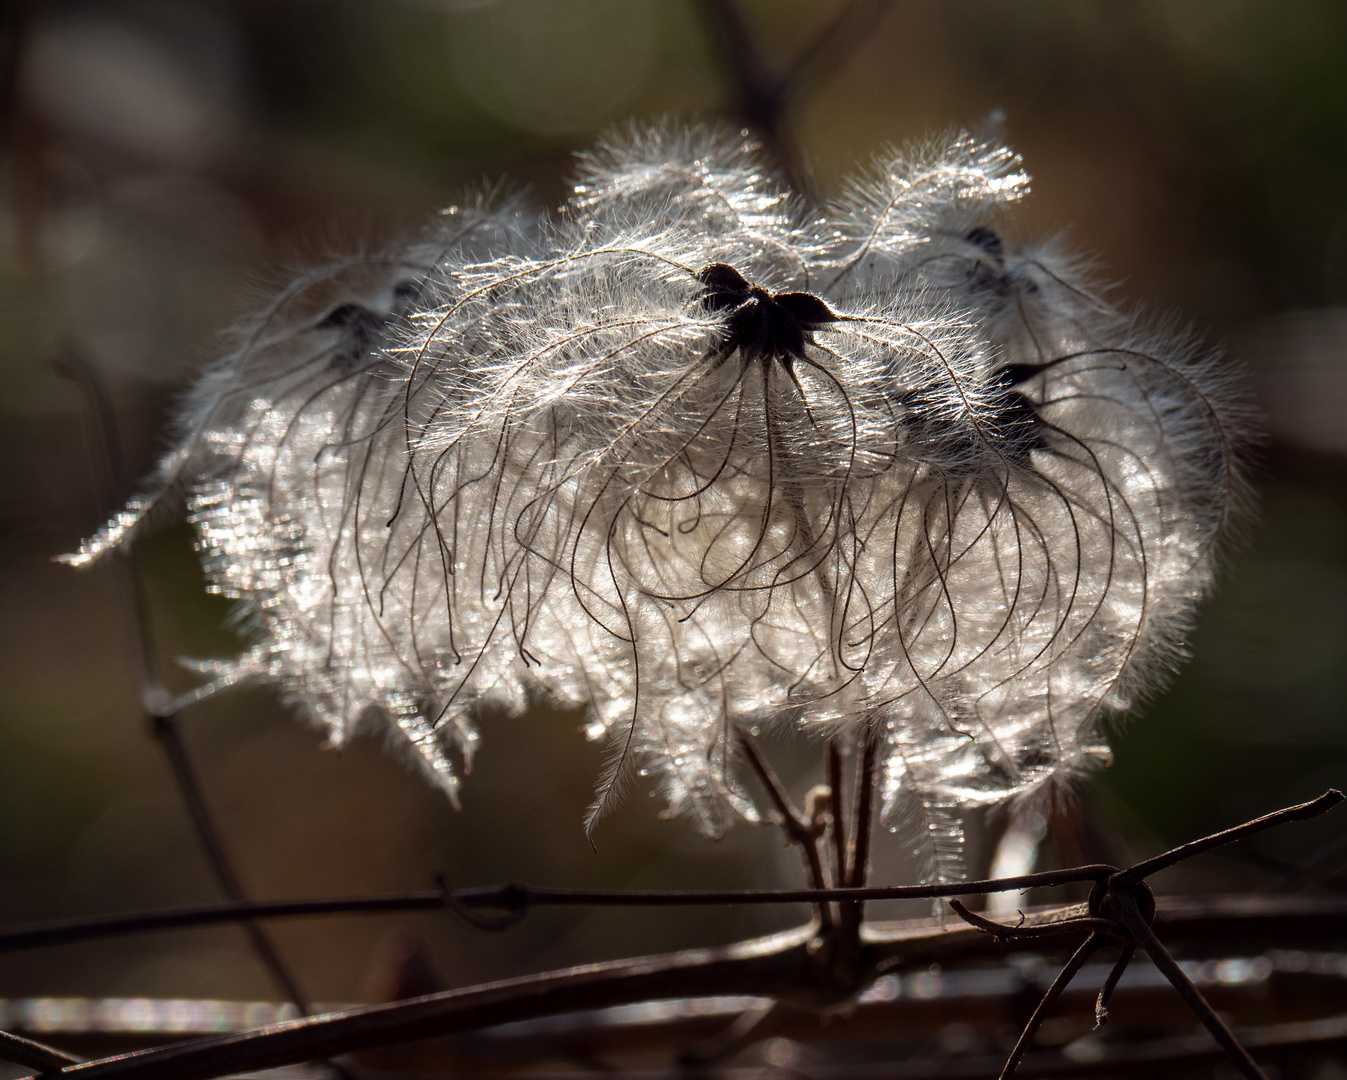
[1115,913]
[762,95]
[800,829]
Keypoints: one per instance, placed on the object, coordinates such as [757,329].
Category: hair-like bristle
[698,459]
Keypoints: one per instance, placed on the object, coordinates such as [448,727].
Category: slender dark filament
[1300,812]
[1131,917]
[32,1054]
[839,819]
[1111,984]
[1019,933]
[800,830]
[154,697]
[1088,948]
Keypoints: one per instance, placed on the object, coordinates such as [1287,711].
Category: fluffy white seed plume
[699,460]
[291,460]
[1061,567]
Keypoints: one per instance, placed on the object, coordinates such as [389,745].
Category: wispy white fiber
[696,457]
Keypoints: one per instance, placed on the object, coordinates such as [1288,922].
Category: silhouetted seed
[762,325]
[1012,375]
[989,272]
[405,295]
[1019,428]
[988,241]
[360,328]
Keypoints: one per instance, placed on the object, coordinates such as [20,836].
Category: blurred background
[166,164]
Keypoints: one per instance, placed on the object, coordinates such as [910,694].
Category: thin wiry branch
[855,22]
[1140,929]
[1088,948]
[32,1054]
[1300,812]
[781,965]
[762,96]
[138,630]
[841,870]
[802,831]
[1203,921]
[788,966]
[1110,984]
[1001,932]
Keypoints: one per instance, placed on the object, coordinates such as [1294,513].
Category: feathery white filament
[696,459]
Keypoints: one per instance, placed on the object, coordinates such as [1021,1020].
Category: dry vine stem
[799,967]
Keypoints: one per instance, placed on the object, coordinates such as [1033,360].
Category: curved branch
[779,966]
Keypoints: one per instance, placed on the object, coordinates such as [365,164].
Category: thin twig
[864,813]
[1216,918]
[1206,920]
[1111,984]
[1088,948]
[839,819]
[758,92]
[778,966]
[830,46]
[75,364]
[858,860]
[1131,917]
[800,830]
[1001,932]
[208,838]
[1301,812]
[792,820]
[743,1031]
[762,96]
[781,965]
[32,1054]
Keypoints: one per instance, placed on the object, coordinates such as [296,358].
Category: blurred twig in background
[763,97]
[139,637]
